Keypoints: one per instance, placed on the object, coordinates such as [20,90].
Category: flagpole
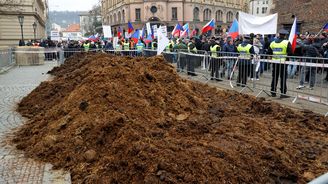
[319,32]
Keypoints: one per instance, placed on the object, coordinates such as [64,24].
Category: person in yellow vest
[86,46]
[126,47]
[191,59]
[140,46]
[279,49]
[169,47]
[214,63]
[245,50]
[154,45]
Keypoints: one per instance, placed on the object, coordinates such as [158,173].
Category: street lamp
[34,28]
[21,21]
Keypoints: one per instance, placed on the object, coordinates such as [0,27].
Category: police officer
[245,59]
[191,59]
[279,49]
[140,46]
[180,46]
[214,63]
[126,47]
[86,46]
[154,45]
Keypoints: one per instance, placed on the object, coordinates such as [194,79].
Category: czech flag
[293,35]
[233,31]
[93,38]
[119,32]
[193,33]
[148,39]
[177,30]
[325,28]
[135,36]
[130,27]
[209,26]
[185,33]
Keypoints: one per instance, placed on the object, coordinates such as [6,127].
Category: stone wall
[311,14]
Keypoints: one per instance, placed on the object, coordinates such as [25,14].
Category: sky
[71,5]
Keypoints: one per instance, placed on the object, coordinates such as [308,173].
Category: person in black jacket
[280,48]
[310,51]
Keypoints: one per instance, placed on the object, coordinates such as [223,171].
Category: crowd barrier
[6,58]
[290,77]
[294,77]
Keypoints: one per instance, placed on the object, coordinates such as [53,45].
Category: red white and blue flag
[94,38]
[148,39]
[135,36]
[233,31]
[119,32]
[130,27]
[293,35]
[325,28]
[208,27]
[185,32]
[177,30]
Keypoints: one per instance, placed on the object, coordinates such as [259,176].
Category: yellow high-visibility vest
[245,51]
[279,50]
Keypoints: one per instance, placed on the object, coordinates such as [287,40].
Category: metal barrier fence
[6,58]
[242,72]
[296,77]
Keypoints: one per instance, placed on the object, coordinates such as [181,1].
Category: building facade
[34,11]
[260,7]
[88,23]
[311,15]
[72,32]
[169,12]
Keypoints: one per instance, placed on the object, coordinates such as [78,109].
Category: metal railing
[6,59]
[296,77]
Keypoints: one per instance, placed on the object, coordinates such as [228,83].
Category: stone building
[260,7]
[32,10]
[311,15]
[169,12]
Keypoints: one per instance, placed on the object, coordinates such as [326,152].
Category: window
[138,14]
[229,16]
[207,14]
[219,16]
[196,13]
[123,16]
[264,10]
[257,10]
[174,13]
[119,17]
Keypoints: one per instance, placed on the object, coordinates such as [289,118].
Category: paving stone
[14,167]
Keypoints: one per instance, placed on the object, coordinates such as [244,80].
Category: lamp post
[34,28]
[21,21]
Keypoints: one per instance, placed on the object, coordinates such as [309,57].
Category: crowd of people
[248,48]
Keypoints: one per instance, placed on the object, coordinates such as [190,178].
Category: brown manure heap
[110,119]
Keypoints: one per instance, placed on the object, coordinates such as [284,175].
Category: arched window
[123,16]
[119,17]
[207,14]
[237,15]
[115,20]
[229,16]
[219,16]
[111,19]
[196,13]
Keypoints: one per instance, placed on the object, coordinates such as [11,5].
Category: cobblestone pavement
[14,167]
